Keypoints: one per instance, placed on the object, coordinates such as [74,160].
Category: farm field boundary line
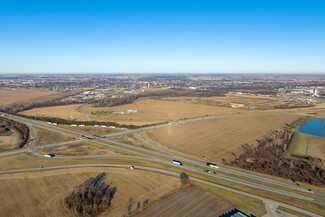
[168,173]
[219,176]
[57,129]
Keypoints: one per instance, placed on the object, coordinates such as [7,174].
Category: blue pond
[313,127]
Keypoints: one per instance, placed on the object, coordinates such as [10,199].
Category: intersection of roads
[155,154]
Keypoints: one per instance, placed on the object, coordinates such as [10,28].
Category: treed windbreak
[92,197]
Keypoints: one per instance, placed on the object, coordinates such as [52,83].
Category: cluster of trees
[92,197]
[184,178]
[270,157]
[5,129]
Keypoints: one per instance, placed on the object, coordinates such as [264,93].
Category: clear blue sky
[217,36]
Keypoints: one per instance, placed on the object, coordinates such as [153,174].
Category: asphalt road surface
[169,173]
[153,156]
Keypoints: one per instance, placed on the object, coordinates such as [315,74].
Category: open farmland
[25,96]
[192,201]
[130,139]
[308,145]
[316,147]
[218,138]
[41,193]
[151,110]
[79,149]
[67,112]
[241,102]
[11,141]
[46,137]
[28,96]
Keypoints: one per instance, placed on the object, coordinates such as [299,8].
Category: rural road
[152,155]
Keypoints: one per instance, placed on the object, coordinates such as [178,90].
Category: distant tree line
[87,123]
[18,107]
[92,197]
[127,99]
[6,125]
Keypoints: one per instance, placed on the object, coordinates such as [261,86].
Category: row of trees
[126,99]
[270,157]
[18,107]
[87,123]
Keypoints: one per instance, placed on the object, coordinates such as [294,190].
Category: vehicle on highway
[132,167]
[208,171]
[212,165]
[177,162]
[49,155]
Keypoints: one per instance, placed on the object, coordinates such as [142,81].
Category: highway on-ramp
[162,156]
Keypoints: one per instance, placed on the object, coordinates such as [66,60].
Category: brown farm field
[218,138]
[10,142]
[46,137]
[25,96]
[79,149]
[242,102]
[64,112]
[150,111]
[192,201]
[154,110]
[130,139]
[41,193]
[21,96]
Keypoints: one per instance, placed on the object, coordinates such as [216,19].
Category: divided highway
[301,210]
[158,155]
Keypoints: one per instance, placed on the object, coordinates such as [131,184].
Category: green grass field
[308,145]
[300,145]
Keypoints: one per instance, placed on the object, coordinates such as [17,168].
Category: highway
[168,172]
[159,155]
